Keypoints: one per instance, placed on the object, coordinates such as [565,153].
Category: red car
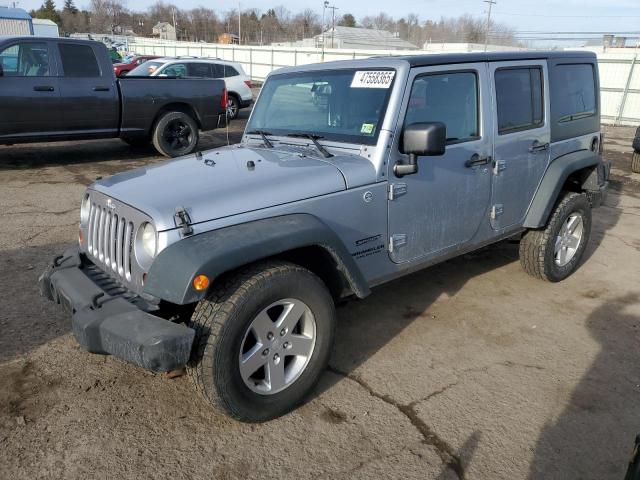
[122,69]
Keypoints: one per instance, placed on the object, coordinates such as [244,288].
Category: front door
[522,138]
[443,205]
[29,96]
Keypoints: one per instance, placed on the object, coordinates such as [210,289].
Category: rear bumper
[111,324]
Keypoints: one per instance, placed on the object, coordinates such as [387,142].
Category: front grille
[110,240]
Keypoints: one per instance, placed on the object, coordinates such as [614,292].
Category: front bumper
[109,323]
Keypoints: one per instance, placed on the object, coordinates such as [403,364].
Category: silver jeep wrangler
[349,174]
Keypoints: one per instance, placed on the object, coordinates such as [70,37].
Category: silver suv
[349,174]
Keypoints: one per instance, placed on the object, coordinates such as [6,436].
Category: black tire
[175,134]
[537,247]
[137,142]
[635,162]
[221,321]
[233,107]
[636,141]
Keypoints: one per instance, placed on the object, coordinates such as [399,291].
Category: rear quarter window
[575,98]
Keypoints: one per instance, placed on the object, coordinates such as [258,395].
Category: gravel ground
[470,369]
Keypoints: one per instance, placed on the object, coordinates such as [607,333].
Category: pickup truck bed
[65,89]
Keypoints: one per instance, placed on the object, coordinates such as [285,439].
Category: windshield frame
[324,135]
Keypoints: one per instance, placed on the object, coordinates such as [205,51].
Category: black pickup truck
[65,89]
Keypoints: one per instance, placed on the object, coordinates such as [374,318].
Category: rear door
[29,95]
[200,70]
[522,135]
[90,103]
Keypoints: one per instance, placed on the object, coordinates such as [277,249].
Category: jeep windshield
[336,105]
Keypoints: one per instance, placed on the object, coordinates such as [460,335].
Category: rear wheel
[554,253]
[175,134]
[263,338]
[635,162]
[233,107]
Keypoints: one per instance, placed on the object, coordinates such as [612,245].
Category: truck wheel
[233,107]
[635,162]
[175,134]
[554,253]
[136,141]
[263,338]
[636,141]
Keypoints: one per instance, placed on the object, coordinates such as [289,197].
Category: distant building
[362,38]
[228,38]
[461,47]
[164,31]
[15,21]
[43,27]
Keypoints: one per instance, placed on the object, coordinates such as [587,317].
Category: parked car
[121,69]
[231,260]
[238,83]
[65,89]
[635,159]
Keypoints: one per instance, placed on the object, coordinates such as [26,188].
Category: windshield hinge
[182,220]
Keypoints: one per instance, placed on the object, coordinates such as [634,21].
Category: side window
[25,60]
[576,92]
[78,61]
[519,99]
[451,98]
[218,70]
[175,70]
[199,70]
[229,71]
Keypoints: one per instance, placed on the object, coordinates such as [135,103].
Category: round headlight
[149,240]
[85,206]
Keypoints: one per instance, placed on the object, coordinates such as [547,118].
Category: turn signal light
[201,282]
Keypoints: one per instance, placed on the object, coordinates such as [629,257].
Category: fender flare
[218,251]
[554,178]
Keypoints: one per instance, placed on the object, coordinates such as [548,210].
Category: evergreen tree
[347,20]
[48,11]
[70,7]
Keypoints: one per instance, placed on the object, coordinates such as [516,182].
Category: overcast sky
[522,15]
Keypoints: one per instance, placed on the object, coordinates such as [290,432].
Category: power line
[563,16]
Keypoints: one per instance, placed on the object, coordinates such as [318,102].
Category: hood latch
[182,220]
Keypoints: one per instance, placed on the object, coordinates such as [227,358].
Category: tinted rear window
[576,92]
[78,61]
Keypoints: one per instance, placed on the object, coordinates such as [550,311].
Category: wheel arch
[299,238]
[577,172]
[176,107]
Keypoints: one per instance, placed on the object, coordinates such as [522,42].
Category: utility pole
[239,31]
[324,9]
[486,35]
[333,24]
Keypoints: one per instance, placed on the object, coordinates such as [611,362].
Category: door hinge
[498,166]
[396,190]
[397,240]
[496,211]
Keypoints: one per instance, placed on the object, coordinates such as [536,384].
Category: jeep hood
[232,180]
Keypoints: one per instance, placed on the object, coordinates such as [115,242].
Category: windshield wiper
[263,134]
[314,139]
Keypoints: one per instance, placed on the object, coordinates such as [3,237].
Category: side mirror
[419,139]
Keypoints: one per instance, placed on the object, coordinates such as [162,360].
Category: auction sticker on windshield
[372,79]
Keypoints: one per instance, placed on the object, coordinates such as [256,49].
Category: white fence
[619,73]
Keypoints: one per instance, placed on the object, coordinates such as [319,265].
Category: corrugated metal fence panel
[11,26]
[619,73]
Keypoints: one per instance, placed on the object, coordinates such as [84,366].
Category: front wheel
[175,134]
[263,338]
[635,162]
[554,253]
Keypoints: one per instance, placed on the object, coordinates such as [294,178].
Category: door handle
[43,88]
[476,160]
[101,89]
[536,146]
